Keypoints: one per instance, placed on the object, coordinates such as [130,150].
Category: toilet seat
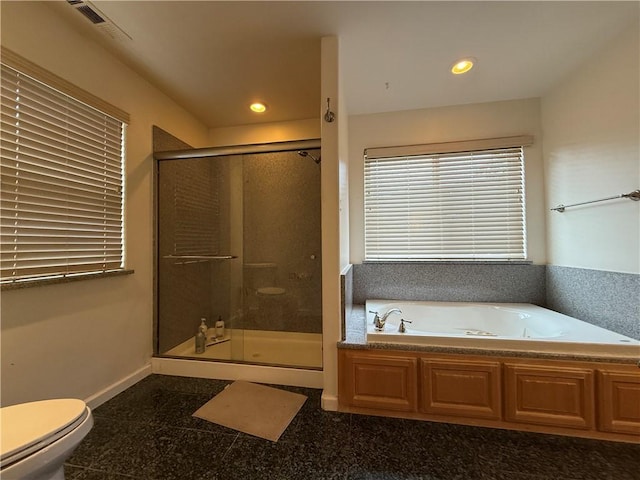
[29,427]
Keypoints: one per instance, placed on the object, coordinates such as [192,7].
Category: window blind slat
[52,217]
[44,99]
[31,171]
[456,205]
[78,185]
[54,270]
[61,172]
[47,236]
[50,121]
[49,140]
[29,200]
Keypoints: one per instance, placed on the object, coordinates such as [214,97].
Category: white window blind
[452,206]
[62,183]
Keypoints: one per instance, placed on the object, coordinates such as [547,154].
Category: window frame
[55,88]
[380,249]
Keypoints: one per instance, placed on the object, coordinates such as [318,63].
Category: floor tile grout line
[159,424]
[97,470]
[237,435]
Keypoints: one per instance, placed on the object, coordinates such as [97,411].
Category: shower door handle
[202,257]
[199,258]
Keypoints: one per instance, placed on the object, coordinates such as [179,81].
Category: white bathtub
[494,326]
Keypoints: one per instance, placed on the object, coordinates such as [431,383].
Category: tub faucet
[378,322]
[402,328]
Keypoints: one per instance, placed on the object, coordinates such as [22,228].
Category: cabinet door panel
[619,402]
[561,397]
[462,388]
[385,382]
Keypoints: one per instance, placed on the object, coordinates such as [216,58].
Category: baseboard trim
[329,402]
[97,399]
[233,371]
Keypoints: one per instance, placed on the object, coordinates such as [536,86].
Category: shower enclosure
[238,241]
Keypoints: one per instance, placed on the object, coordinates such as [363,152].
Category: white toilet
[37,437]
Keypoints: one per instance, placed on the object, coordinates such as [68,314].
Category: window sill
[40,282]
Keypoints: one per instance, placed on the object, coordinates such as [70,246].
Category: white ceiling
[214,57]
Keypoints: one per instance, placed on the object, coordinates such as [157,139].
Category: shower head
[304,153]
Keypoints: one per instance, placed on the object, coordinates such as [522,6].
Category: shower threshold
[280,348]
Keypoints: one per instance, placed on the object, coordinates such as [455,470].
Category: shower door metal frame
[187,154]
[238,150]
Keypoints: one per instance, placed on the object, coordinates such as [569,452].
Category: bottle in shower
[219,328]
[203,326]
[201,337]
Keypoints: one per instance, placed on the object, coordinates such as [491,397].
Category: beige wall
[591,132]
[433,125]
[343,172]
[77,339]
[330,201]
[265,133]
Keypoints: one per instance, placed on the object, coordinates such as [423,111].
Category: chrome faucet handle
[402,328]
[378,322]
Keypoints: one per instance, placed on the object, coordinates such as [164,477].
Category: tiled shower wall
[607,299]
[281,217]
[190,214]
[170,333]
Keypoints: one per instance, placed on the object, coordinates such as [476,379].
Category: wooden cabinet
[379,381]
[461,388]
[562,397]
[619,402]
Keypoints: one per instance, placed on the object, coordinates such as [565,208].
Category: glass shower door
[239,240]
[281,259]
[196,259]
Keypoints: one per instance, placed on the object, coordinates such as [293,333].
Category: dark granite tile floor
[147,432]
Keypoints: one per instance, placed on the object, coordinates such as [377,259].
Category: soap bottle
[201,336]
[203,326]
[219,328]
[201,340]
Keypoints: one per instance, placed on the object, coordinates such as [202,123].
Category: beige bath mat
[261,411]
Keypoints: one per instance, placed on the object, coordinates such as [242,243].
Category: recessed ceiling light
[462,66]
[258,107]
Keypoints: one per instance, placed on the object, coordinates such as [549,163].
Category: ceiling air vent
[91,14]
[100,20]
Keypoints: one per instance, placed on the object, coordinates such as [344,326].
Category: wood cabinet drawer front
[381,382]
[461,388]
[619,402]
[549,396]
